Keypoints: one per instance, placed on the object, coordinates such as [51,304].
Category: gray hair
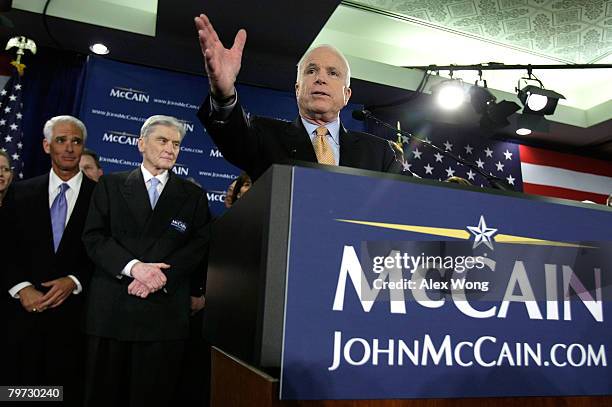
[161,120]
[347,80]
[52,122]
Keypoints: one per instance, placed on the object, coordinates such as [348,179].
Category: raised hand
[150,274]
[222,64]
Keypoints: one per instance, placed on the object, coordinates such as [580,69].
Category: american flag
[498,158]
[527,169]
[566,176]
[11,133]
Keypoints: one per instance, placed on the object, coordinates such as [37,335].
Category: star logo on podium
[482,234]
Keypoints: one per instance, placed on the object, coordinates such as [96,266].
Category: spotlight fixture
[494,115]
[536,99]
[527,124]
[449,95]
[99,48]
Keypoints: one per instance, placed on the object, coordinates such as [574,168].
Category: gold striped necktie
[322,148]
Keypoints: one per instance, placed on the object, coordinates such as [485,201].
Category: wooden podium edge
[234,383]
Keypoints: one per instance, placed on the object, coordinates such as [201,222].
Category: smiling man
[46,268]
[146,232]
[317,135]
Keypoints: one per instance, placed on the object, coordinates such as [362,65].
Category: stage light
[536,99]
[99,49]
[529,123]
[449,95]
[523,131]
[481,98]
[494,115]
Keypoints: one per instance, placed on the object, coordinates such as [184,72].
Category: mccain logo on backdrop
[129,94]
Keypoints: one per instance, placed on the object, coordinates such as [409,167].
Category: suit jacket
[30,255]
[121,227]
[254,143]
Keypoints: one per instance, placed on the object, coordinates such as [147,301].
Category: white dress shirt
[72,194]
[163,180]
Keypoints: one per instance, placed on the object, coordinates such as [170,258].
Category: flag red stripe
[568,161]
[563,193]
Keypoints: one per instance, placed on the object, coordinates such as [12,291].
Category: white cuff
[127,270]
[79,287]
[14,292]
[222,112]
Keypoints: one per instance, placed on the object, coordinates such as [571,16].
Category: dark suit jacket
[30,255]
[120,227]
[254,143]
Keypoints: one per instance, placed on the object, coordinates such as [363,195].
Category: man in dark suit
[147,233]
[47,268]
[322,90]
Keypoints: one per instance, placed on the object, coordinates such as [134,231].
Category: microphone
[495,182]
[361,115]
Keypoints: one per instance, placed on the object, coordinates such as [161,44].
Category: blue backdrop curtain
[51,87]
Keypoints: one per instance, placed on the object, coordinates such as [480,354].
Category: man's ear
[141,144]
[347,95]
[46,146]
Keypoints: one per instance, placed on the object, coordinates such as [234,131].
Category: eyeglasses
[5,169]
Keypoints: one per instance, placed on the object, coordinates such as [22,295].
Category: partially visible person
[609,200]
[147,234]
[322,90]
[6,174]
[46,268]
[90,165]
[458,180]
[229,195]
[243,184]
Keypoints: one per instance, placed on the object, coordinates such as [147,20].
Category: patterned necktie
[322,149]
[59,209]
[153,194]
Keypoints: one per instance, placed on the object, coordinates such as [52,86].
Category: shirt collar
[333,127]
[55,181]
[163,177]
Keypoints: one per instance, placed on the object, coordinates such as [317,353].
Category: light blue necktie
[153,194]
[59,209]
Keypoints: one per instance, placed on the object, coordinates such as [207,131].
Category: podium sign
[413,290]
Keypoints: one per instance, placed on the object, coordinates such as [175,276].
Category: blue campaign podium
[355,285]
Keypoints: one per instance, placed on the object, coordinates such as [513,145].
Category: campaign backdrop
[533,320]
[117,98]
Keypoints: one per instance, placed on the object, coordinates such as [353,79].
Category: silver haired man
[146,232]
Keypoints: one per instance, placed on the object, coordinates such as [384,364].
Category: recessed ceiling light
[523,131]
[99,49]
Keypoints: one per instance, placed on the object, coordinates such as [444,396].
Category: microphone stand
[495,182]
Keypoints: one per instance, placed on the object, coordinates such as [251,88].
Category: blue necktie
[59,209]
[153,194]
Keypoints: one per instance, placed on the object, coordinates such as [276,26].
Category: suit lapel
[79,213]
[349,153]
[170,201]
[300,146]
[42,199]
[135,194]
